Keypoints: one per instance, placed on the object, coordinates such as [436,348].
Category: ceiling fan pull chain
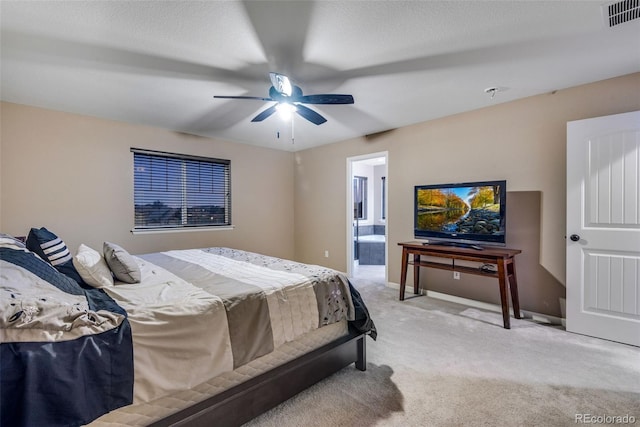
[293,140]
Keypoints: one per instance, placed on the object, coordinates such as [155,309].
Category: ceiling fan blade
[310,115]
[259,98]
[266,113]
[326,99]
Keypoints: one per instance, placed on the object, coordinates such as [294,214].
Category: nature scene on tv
[462,210]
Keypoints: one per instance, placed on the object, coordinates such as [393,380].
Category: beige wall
[521,141]
[74,175]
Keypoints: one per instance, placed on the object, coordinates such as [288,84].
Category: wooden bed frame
[239,404]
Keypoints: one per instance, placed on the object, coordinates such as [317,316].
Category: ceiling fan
[289,96]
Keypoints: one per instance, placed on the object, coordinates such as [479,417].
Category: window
[360,197]
[175,191]
[383,198]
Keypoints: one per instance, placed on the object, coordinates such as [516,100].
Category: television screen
[472,213]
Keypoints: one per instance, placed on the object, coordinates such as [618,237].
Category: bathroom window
[360,197]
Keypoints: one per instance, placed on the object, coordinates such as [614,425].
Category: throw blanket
[65,351]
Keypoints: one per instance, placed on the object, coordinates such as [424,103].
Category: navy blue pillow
[53,249]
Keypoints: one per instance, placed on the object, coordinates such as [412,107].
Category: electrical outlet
[326,254]
[456,275]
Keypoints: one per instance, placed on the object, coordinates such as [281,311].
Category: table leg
[513,286]
[416,274]
[502,278]
[403,272]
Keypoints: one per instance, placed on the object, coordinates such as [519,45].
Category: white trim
[538,317]
[180,229]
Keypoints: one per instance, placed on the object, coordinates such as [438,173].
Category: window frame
[188,161]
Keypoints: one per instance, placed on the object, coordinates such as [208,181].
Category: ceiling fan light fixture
[285,110]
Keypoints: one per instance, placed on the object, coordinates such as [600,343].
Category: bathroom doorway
[367,195]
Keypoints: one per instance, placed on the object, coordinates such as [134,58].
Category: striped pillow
[52,248]
[56,251]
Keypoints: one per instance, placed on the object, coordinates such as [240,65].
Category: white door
[603,227]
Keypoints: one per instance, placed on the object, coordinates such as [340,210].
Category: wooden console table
[503,258]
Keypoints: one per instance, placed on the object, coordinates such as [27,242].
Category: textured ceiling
[161,63]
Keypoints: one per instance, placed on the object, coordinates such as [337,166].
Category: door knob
[574,237]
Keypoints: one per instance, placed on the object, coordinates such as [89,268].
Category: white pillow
[92,267]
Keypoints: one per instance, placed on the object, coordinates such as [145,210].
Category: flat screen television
[464,214]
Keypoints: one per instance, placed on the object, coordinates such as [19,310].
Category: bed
[187,337]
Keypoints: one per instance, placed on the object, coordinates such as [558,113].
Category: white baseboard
[543,318]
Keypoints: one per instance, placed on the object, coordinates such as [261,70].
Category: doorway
[367,219]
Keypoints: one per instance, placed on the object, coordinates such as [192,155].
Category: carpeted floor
[437,363]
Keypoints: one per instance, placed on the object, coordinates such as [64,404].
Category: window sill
[180,230]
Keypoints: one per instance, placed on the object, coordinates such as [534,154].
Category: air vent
[620,12]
